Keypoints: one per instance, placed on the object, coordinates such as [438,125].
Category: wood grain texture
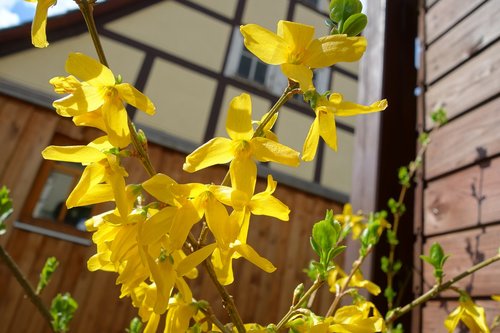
[445,14]
[462,142]
[467,38]
[468,248]
[435,312]
[465,199]
[474,82]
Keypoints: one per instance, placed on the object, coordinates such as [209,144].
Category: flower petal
[77,154]
[38,36]
[239,118]
[329,50]
[266,45]
[215,151]
[159,187]
[90,70]
[297,35]
[300,74]
[327,129]
[243,172]
[251,255]
[266,150]
[134,97]
[311,142]
[116,121]
[194,259]
[345,109]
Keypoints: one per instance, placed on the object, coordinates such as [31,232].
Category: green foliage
[135,326]
[385,265]
[48,269]
[326,234]
[62,309]
[423,138]
[390,294]
[395,207]
[404,176]
[346,17]
[371,234]
[5,208]
[436,258]
[439,116]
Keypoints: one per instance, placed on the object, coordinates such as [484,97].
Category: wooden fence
[460,199]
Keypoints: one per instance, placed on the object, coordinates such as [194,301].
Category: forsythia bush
[151,245]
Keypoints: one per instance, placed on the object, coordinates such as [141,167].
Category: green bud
[135,326]
[297,293]
[439,116]
[62,309]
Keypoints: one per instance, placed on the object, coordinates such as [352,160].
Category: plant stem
[341,292]
[209,314]
[318,283]
[23,281]
[434,291]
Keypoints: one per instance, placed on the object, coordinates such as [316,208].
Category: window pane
[54,193]
[260,73]
[244,67]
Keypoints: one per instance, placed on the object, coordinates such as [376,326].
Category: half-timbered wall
[461,179]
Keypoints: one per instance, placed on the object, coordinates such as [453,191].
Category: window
[251,68]
[45,207]
[312,3]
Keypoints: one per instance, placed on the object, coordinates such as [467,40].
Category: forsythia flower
[242,149]
[470,314]
[338,277]
[324,123]
[38,36]
[98,91]
[354,221]
[295,49]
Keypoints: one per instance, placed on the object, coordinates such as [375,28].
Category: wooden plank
[469,138]
[445,14]
[465,199]
[468,248]
[429,3]
[474,82]
[435,313]
[14,115]
[466,39]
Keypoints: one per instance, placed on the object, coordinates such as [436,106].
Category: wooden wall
[461,180]
[26,129]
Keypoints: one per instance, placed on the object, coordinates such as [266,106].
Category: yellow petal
[90,119]
[265,204]
[116,122]
[91,176]
[194,259]
[65,85]
[297,35]
[215,151]
[159,187]
[157,225]
[78,154]
[327,129]
[38,36]
[186,217]
[299,73]
[243,172]
[329,50]
[266,45]
[266,150]
[223,266]
[311,142]
[349,109]
[251,255]
[134,97]
[90,70]
[239,118]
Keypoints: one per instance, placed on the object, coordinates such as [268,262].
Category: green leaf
[384,264]
[397,266]
[62,309]
[355,24]
[48,269]
[404,176]
[341,10]
[335,252]
[389,293]
[392,238]
[5,208]
[426,259]
[439,116]
[424,138]
[135,326]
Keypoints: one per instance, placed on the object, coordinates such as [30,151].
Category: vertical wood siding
[461,192]
[25,130]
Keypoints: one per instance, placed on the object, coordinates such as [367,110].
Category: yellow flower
[470,314]
[295,49]
[225,229]
[353,318]
[354,221]
[99,90]
[242,149]
[338,277]
[38,37]
[324,123]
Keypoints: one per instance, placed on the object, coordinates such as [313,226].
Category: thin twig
[23,281]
